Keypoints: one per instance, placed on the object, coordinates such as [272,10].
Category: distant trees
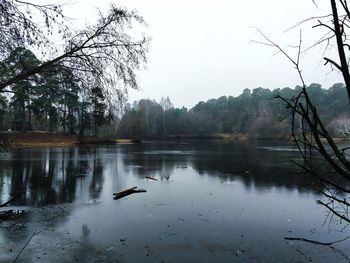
[20,59]
[69,100]
[103,52]
[255,113]
[311,131]
[98,103]
[57,89]
[51,100]
[166,105]
[4,109]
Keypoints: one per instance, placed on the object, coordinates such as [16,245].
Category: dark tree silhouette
[105,52]
[309,131]
[18,27]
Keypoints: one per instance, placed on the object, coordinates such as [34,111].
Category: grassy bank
[44,139]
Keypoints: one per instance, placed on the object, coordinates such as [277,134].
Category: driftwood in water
[12,199]
[127,192]
[314,241]
[151,178]
[25,245]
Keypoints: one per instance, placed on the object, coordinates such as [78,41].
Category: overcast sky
[202,49]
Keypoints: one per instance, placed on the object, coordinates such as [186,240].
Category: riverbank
[239,137]
[213,136]
[221,136]
[45,139]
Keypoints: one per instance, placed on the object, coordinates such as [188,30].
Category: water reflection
[56,175]
[48,175]
[212,200]
[246,162]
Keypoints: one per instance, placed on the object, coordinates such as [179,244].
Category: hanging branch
[312,137]
[104,53]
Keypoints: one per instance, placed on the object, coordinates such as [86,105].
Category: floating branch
[151,178]
[314,241]
[127,192]
[25,245]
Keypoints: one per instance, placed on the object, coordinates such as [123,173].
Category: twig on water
[25,245]
[314,241]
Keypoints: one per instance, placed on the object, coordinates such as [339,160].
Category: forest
[54,101]
[256,113]
[86,176]
[51,101]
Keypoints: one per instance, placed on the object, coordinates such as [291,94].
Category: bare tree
[104,53]
[309,133]
[18,28]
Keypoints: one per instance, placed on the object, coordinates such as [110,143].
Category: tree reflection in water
[190,201]
[57,175]
[250,163]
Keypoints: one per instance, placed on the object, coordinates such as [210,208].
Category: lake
[213,201]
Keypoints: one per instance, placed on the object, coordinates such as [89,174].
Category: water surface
[213,202]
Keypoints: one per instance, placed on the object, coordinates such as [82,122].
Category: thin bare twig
[314,241]
[25,245]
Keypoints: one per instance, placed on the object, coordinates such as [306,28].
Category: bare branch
[314,241]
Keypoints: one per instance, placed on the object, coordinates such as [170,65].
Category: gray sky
[202,49]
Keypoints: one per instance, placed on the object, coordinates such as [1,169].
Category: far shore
[46,139]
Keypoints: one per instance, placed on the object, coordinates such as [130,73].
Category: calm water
[213,202]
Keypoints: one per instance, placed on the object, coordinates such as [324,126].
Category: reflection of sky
[197,208]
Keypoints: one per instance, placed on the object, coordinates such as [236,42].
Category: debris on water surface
[151,178]
[110,248]
[122,240]
[148,250]
[127,192]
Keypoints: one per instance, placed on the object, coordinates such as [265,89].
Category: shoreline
[46,139]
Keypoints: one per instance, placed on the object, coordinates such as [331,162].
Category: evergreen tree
[98,107]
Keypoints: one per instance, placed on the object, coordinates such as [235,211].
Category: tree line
[55,101]
[52,101]
[83,74]
[256,113]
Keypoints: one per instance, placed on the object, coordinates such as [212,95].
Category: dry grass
[45,139]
